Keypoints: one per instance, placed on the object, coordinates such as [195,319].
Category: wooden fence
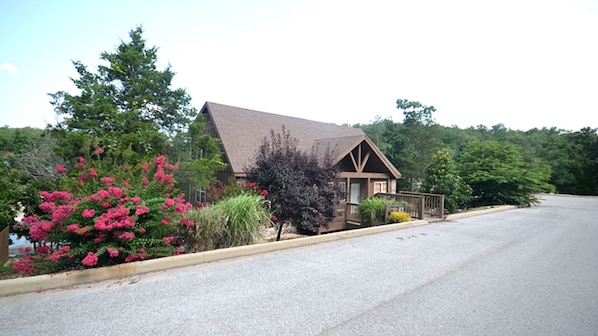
[4,245]
[415,203]
[433,203]
[352,215]
[422,204]
[418,205]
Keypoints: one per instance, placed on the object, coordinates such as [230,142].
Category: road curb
[76,278]
[467,214]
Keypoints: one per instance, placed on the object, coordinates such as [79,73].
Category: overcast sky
[522,63]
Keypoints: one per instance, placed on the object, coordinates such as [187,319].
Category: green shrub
[371,211]
[233,221]
[208,233]
[244,215]
[398,217]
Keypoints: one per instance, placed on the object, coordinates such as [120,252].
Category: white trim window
[200,195]
[380,187]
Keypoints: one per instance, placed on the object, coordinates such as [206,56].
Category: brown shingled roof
[242,131]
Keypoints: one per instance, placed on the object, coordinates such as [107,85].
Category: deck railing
[433,203]
[352,215]
[415,203]
[418,205]
[422,204]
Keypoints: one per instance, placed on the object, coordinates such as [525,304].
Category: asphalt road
[527,271]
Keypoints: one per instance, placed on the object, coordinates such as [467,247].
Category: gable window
[380,187]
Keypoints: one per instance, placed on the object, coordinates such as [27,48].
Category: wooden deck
[424,206]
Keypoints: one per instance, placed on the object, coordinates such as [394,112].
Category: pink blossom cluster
[113,217]
[179,204]
[113,253]
[26,223]
[60,169]
[56,195]
[39,230]
[24,266]
[57,254]
[91,259]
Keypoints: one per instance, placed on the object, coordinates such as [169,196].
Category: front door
[355,193]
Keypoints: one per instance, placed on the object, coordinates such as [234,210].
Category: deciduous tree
[442,177]
[498,174]
[300,185]
[413,142]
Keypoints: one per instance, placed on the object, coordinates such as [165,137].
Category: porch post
[442,207]
[348,190]
[422,202]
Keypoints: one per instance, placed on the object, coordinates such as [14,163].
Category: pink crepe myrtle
[142,210]
[56,255]
[98,151]
[120,215]
[90,260]
[81,163]
[88,213]
[126,236]
[60,169]
[73,227]
[112,252]
[187,222]
[55,195]
[24,266]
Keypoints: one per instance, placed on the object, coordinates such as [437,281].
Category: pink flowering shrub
[104,216]
[221,192]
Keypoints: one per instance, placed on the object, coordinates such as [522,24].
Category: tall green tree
[11,190]
[584,148]
[498,174]
[442,177]
[413,142]
[377,130]
[18,184]
[127,105]
[199,155]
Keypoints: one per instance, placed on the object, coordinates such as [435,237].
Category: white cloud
[10,68]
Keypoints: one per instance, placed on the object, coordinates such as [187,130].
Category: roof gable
[242,131]
[359,158]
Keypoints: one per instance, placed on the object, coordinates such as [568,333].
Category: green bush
[399,217]
[208,233]
[244,216]
[371,211]
[233,221]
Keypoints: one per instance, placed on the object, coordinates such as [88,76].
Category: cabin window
[380,187]
[200,195]
[343,186]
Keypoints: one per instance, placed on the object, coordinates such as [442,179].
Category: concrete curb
[467,214]
[76,278]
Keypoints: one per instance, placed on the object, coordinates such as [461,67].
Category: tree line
[484,165]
